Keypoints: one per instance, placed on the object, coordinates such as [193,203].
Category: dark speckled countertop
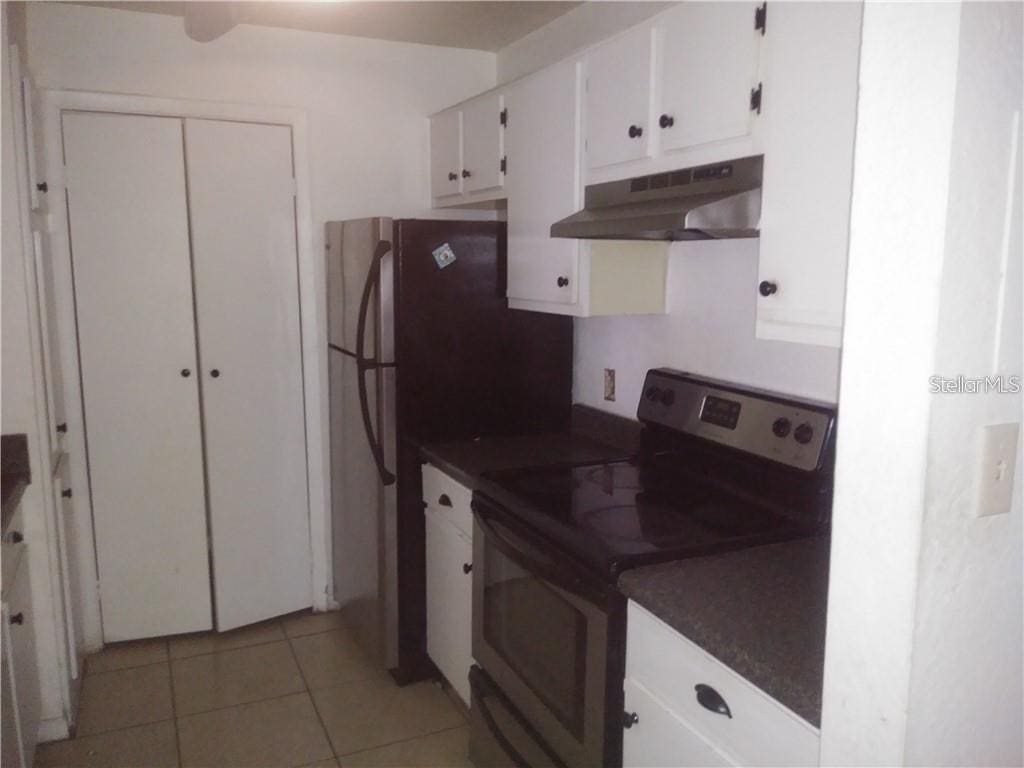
[760,611]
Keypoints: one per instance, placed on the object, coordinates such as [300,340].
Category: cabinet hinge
[761,17]
[755,99]
[503,116]
[503,165]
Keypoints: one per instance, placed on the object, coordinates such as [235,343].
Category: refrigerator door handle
[364,364]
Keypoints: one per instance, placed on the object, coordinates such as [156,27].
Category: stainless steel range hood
[716,201]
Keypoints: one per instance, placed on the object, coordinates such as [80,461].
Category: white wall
[579,28]
[367,100]
[709,329]
[923,655]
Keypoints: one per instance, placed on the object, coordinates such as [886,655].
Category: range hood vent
[716,201]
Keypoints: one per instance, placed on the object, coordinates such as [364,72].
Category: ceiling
[485,26]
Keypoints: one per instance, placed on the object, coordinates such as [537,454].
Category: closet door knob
[466,174]
[467,567]
[215,373]
[18,618]
[185,373]
[635,131]
[767,288]
[666,121]
[452,176]
[66,493]
[562,281]
[15,537]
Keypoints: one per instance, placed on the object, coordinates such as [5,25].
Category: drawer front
[439,488]
[761,731]
[659,737]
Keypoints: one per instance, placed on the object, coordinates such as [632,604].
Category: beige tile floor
[287,693]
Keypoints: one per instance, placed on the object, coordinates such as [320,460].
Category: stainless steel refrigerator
[423,349]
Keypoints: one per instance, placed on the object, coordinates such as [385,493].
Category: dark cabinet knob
[444,500]
[43,186]
[185,373]
[466,174]
[215,373]
[18,618]
[467,567]
[562,281]
[710,699]
[62,428]
[804,433]
[767,288]
[66,493]
[666,121]
[635,131]
[629,719]
[16,537]
[452,176]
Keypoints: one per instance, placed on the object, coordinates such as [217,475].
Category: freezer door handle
[365,364]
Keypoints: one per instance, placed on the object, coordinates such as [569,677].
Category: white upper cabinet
[810,104]
[619,99]
[446,153]
[467,150]
[482,143]
[542,139]
[708,56]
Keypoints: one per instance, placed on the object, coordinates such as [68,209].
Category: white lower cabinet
[449,549]
[663,670]
[20,683]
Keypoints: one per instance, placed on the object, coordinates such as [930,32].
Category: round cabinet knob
[185,373]
[767,288]
[215,373]
[804,433]
[16,537]
[653,393]
[452,176]
[668,397]
[635,131]
[781,426]
[666,121]
[18,618]
[467,567]
[466,174]
[562,281]
[629,719]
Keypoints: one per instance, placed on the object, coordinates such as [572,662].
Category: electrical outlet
[609,383]
[996,464]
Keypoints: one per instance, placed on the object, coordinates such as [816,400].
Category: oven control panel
[784,429]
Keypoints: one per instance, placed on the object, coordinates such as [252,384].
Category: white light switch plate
[997,462]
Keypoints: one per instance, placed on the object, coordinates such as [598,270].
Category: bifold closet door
[136,333]
[242,208]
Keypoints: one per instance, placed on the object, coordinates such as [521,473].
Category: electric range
[721,467]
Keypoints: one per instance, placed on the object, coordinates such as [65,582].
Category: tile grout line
[402,741]
[312,700]
[174,704]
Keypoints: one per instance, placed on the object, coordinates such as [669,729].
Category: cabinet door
[449,601]
[136,336]
[242,207]
[708,64]
[70,566]
[445,153]
[482,143]
[618,99]
[659,737]
[810,115]
[542,141]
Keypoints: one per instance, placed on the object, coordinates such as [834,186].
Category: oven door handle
[533,559]
[482,688]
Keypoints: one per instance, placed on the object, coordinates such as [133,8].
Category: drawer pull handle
[709,698]
[18,618]
[467,567]
[629,719]
[443,500]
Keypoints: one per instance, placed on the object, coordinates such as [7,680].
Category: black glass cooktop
[619,515]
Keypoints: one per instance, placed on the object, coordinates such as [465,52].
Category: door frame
[312,286]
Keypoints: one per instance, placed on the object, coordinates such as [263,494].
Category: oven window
[539,634]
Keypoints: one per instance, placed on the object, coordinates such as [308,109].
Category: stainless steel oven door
[540,631]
